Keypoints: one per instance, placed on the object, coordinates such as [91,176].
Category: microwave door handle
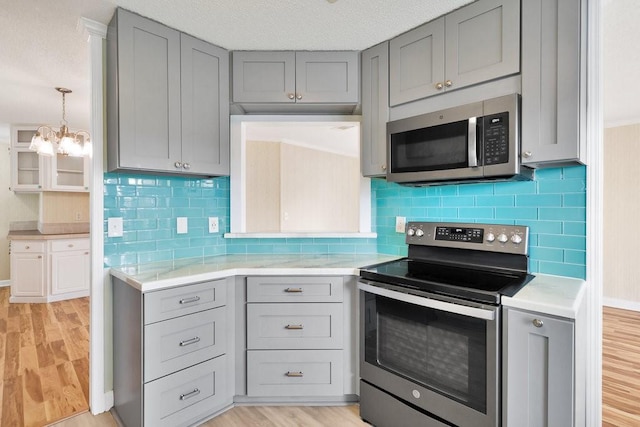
[472,154]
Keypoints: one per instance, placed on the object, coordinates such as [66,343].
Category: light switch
[183,226]
[114,227]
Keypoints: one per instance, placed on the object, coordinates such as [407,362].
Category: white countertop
[165,274]
[554,295]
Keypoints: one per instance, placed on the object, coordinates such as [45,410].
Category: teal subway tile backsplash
[553,206]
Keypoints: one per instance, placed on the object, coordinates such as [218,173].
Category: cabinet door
[264,76]
[416,63]
[552,81]
[375,110]
[69,271]
[330,77]
[539,374]
[148,94]
[68,173]
[482,42]
[26,170]
[28,274]
[205,107]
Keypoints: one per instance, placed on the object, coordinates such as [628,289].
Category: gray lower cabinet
[270,78]
[553,82]
[375,110]
[538,370]
[295,342]
[474,44]
[167,100]
[170,354]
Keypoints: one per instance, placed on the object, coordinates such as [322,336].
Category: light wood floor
[44,361]
[620,368]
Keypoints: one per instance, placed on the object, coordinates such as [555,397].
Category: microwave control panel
[496,139]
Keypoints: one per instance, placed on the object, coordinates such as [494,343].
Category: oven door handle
[478,313]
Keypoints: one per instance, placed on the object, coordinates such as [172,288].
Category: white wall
[621,214]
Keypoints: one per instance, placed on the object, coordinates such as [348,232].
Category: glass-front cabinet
[31,172]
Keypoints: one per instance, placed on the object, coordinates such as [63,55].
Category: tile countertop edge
[554,295]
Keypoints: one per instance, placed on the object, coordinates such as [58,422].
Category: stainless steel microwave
[478,141]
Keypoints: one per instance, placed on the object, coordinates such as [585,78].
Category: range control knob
[516,239]
[419,233]
[411,232]
[491,237]
[502,238]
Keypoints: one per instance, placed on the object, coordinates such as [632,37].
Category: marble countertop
[554,295]
[36,235]
[159,275]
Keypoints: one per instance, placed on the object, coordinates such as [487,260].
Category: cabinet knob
[291,96]
[86,253]
[439,85]
[177,165]
[527,154]
[39,256]
[448,83]
[70,245]
[537,323]
[384,167]
[299,96]
[26,247]
[186,165]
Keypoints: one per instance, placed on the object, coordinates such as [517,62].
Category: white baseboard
[5,283]
[621,303]
[107,404]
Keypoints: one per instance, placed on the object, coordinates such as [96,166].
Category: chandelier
[47,141]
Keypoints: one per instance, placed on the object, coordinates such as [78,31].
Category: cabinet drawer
[27,246]
[184,341]
[184,300]
[187,396]
[70,245]
[295,288]
[294,373]
[294,326]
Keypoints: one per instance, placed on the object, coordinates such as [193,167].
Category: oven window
[442,351]
[427,149]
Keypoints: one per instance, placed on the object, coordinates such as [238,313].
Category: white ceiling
[41,46]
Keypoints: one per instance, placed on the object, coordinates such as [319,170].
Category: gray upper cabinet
[275,78]
[474,44]
[553,82]
[375,110]
[167,100]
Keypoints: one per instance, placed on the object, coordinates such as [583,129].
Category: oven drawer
[174,302]
[187,396]
[295,289]
[295,373]
[294,326]
[184,341]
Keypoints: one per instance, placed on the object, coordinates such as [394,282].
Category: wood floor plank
[12,355]
[12,406]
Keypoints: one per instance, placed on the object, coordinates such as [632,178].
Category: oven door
[439,356]
[442,145]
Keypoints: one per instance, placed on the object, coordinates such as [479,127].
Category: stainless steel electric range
[430,325]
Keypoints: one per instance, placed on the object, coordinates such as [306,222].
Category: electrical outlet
[182,225]
[78,216]
[401,223]
[114,227]
[213,224]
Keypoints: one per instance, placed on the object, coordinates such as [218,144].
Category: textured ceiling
[41,46]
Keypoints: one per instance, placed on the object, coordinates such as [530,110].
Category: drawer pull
[294,327]
[189,395]
[189,341]
[293,290]
[70,245]
[190,300]
[26,247]
[294,374]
